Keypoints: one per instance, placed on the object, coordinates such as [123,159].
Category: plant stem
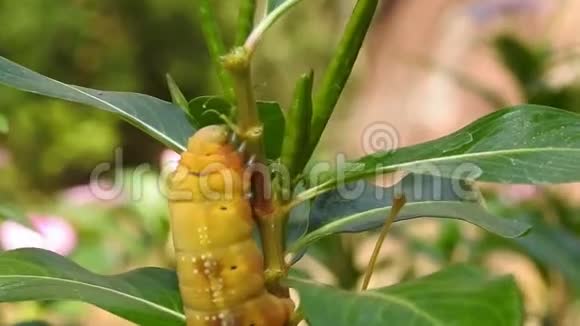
[258,33]
[215,44]
[397,206]
[271,220]
[237,62]
[245,21]
[273,233]
[340,68]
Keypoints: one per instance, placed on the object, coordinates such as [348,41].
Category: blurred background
[428,68]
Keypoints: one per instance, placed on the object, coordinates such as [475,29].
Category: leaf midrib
[325,229]
[181,317]
[403,303]
[385,297]
[385,168]
[476,155]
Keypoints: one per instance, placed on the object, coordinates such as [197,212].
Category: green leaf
[273,4]
[206,111]
[4,127]
[337,255]
[427,196]
[298,222]
[526,63]
[554,247]
[274,122]
[161,120]
[459,295]
[147,296]
[215,43]
[176,95]
[294,154]
[551,245]
[10,212]
[526,144]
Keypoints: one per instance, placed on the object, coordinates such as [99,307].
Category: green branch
[258,33]
[340,68]
[270,220]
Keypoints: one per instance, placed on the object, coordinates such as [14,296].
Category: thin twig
[398,204]
[258,33]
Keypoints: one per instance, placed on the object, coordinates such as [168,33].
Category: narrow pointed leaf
[294,153]
[12,213]
[215,43]
[427,196]
[160,119]
[459,295]
[147,296]
[176,94]
[274,123]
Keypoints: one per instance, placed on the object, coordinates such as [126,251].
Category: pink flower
[486,10]
[169,160]
[519,193]
[49,233]
[85,195]
[4,157]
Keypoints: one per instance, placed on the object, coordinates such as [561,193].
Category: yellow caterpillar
[219,265]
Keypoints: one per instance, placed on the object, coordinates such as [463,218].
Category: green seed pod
[297,133]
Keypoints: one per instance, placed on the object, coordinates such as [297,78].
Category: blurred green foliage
[116,45]
[128,46]
[531,64]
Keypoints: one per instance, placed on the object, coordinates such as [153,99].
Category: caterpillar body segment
[219,265]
